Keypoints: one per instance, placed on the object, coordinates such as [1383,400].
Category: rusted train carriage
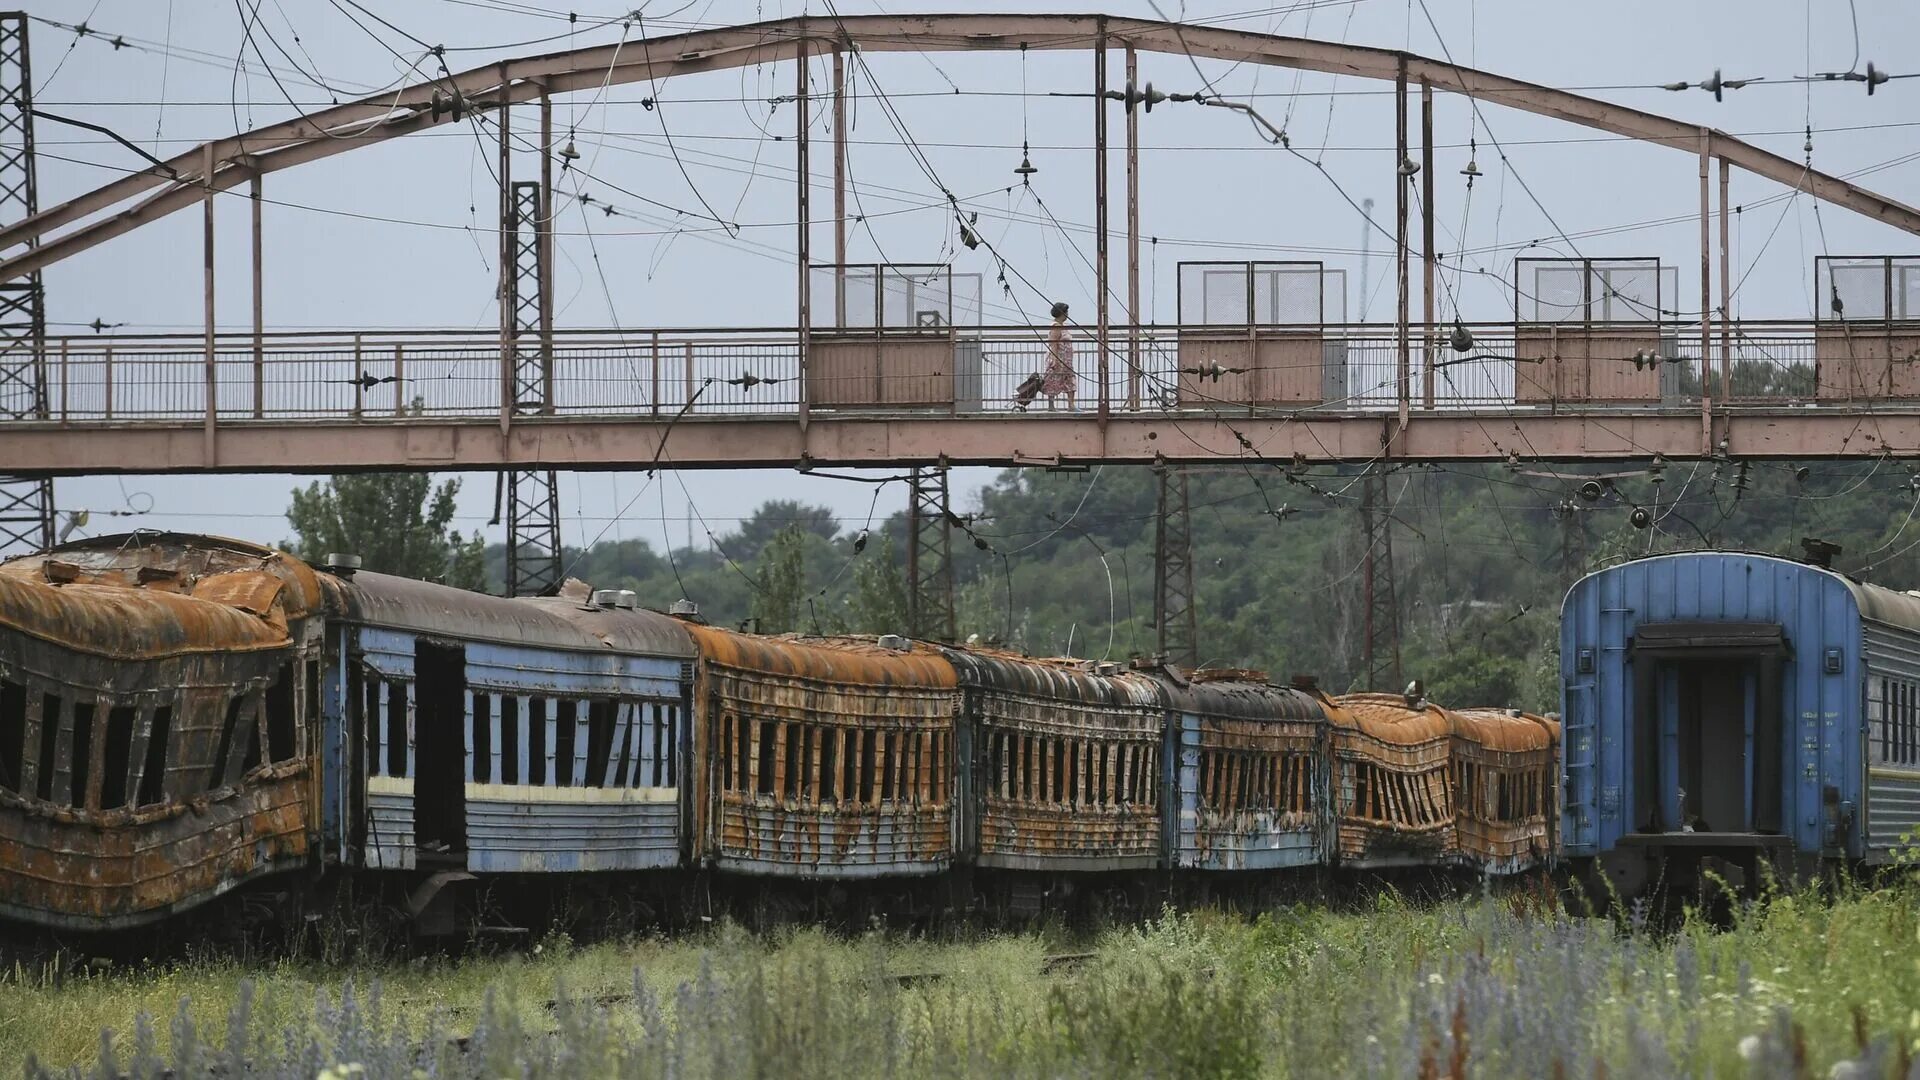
[1253,778]
[156,696]
[490,735]
[1068,778]
[1504,787]
[1393,795]
[826,758]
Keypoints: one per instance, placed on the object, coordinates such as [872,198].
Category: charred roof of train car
[1392,718]
[1058,677]
[130,623]
[213,568]
[846,660]
[1240,695]
[442,611]
[1505,729]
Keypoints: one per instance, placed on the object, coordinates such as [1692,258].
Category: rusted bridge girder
[191,176]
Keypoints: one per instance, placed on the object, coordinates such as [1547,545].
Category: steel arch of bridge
[225,163]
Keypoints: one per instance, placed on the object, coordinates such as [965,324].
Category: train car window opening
[628,718]
[281,720]
[829,763]
[223,755]
[764,747]
[398,734]
[566,746]
[601,762]
[481,728]
[117,762]
[255,734]
[81,758]
[791,736]
[850,757]
[510,741]
[13,734]
[869,771]
[887,754]
[153,772]
[539,724]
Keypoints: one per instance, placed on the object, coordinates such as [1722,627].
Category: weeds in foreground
[1793,984]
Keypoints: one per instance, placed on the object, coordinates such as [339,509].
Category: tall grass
[1798,985]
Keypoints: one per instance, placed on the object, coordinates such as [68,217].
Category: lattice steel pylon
[533,495]
[929,557]
[1380,662]
[1174,619]
[26,502]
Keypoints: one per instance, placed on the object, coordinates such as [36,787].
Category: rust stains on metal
[1253,784]
[1392,794]
[1505,786]
[151,695]
[1070,761]
[826,757]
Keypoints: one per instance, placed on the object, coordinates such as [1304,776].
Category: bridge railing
[383,375]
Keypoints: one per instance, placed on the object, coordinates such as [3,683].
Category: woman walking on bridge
[1059,374]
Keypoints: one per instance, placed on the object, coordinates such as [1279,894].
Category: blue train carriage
[821,758]
[1067,779]
[1735,709]
[155,696]
[482,735]
[1253,777]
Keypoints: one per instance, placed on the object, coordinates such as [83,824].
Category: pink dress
[1059,374]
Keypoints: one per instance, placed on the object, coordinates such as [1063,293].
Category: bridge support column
[804,185]
[1403,343]
[1174,618]
[209,447]
[1100,205]
[26,502]
[929,556]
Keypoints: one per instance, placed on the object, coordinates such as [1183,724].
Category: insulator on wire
[1640,518]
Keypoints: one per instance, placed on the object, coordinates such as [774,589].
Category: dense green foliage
[1797,986]
[1482,556]
[396,522]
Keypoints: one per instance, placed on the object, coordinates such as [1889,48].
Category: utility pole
[1174,619]
[929,556]
[532,495]
[1380,663]
[26,502]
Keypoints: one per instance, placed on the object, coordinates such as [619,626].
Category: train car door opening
[1708,743]
[440,750]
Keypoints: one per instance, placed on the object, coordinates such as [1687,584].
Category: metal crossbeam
[26,502]
[1381,660]
[929,557]
[1173,609]
[533,495]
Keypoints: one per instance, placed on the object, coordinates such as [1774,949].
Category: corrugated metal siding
[1893,812]
[525,829]
[389,823]
[1817,611]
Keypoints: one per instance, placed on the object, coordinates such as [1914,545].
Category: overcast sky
[397,235]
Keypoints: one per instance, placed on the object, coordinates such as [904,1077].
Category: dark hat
[1060,310]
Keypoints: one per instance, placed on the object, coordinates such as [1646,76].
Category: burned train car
[822,758]
[1393,796]
[1067,774]
[158,696]
[1253,780]
[1504,787]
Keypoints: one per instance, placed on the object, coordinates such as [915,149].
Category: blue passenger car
[1736,708]
[498,735]
[1252,780]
